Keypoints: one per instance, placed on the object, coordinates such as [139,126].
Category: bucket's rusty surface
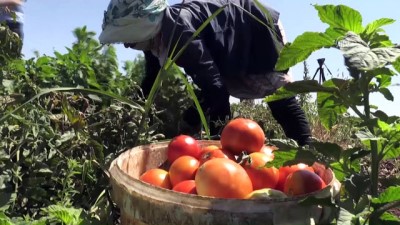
[143,204]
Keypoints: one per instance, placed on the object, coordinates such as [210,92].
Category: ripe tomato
[260,175]
[284,171]
[213,151]
[186,186]
[242,135]
[269,151]
[157,177]
[222,178]
[183,168]
[303,182]
[182,145]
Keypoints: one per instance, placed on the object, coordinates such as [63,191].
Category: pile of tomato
[237,168]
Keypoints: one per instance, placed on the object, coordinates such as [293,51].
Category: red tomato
[182,145]
[222,178]
[157,177]
[183,168]
[260,175]
[269,151]
[303,182]
[242,135]
[186,186]
[213,151]
[284,171]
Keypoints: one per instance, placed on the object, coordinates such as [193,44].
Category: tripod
[322,78]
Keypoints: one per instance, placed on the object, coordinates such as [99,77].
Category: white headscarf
[132,21]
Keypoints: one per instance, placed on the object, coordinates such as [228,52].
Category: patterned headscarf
[132,21]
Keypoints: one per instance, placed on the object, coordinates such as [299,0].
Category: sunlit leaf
[374,25]
[299,87]
[338,170]
[389,219]
[340,16]
[384,80]
[391,152]
[281,157]
[396,65]
[390,194]
[301,48]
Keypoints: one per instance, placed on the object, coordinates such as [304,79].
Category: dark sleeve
[199,64]
[292,118]
[152,67]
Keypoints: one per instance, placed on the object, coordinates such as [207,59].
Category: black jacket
[232,45]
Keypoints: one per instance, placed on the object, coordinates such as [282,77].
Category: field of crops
[65,118]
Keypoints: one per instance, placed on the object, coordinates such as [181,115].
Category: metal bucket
[144,204]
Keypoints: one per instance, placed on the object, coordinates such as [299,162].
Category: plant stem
[374,217]
[374,146]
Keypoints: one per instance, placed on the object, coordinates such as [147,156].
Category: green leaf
[374,25]
[72,89]
[391,152]
[281,157]
[6,198]
[380,40]
[4,220]
[335,33]
[386,93]
[391,194]
[328,149]
[389,219]
[338,170]
[340,16]
[345,217]
[98,149]
[396,65]
[66,215]
[367,136]
[384,80]
[329,108]
[299,87]
[361,57]
[301,48]
[291,157]
[380,115]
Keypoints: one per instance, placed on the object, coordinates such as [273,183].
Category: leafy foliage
[57,142]
[368,54]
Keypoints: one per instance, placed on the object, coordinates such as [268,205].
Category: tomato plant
[157,177]
[183,168]
[371,59]
[242,134]
[222,178]
[182,145]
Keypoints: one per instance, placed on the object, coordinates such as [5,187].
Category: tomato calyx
[244,158]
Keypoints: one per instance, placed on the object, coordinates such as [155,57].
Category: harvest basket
[144,204]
